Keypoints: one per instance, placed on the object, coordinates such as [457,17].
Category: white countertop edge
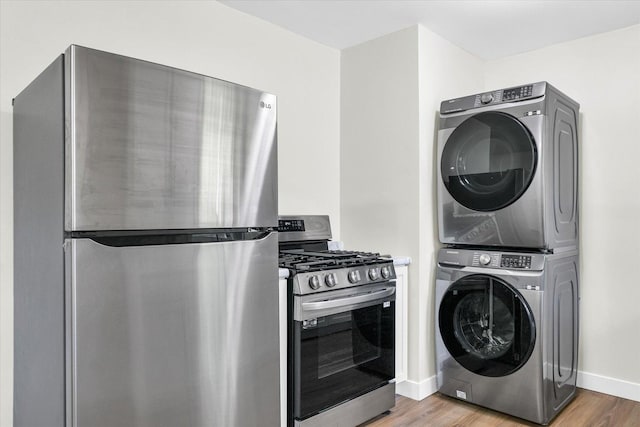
[283,273]
[401,261]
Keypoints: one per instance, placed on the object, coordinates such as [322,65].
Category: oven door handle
[340,302]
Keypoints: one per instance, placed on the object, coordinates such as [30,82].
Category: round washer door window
[486,325]
[488,161]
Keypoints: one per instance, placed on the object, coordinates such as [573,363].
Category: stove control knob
[354,276]
[331,280]
[485,259]
[374,274]
[314,282]
[385,272]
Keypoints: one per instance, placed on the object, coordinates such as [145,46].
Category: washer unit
[507,330]
[508,169]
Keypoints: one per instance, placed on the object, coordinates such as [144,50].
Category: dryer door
[488,161]
[486,325]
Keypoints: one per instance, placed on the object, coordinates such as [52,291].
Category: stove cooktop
[320,271]
[304,261]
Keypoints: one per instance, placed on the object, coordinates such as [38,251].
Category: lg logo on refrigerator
[265,105]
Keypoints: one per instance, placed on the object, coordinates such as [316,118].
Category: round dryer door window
[488,161]
[486,325]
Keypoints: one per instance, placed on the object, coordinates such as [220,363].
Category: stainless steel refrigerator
[145,257]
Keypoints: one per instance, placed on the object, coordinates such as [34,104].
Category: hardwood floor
[588,409]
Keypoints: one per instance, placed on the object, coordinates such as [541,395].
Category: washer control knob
[486,98]
[374,274]
[485,259]
[385,272]
[314,282]
[354,276]
[331,280]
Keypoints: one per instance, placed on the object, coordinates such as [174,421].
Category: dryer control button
[486,98]
[485,259]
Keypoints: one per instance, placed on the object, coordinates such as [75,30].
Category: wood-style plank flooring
[588,409]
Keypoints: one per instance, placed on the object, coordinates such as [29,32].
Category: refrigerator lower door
[173,335]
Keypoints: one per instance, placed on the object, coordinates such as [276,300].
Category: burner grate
[301,261]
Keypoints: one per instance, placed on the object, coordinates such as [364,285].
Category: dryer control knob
[485,259]
[486,98]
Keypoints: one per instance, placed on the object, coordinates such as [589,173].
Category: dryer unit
[507,330]
[508,169]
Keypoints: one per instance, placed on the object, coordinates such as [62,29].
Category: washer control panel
[515,261]
[485,259]
[458,258]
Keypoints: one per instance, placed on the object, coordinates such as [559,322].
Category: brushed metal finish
[339,301]
[303,282]
[452,106]
[350,301]
[154,147]
[175,335]
[470,259]
[38,291]
[317,227]
[546,215]
[534,392]
[356,411]
[517,225]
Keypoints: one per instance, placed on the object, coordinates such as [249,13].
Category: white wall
[446,72]
[602,73]
[202,36]
[391,90]
[380,161]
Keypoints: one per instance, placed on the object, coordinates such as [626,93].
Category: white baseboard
[415,390]
[601,384]
[607,385]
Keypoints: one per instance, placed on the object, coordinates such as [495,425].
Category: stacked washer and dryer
[507,276]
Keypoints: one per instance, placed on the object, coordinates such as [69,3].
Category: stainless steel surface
[38,273]
[324,304]
[154,147]
[546,382]
[545,216]
[315,281]
[356,411]
[175,335]
[349,301]
[316,227]
[469,102]
[471,260]
[143,335]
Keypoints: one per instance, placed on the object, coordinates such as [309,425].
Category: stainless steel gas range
[341,327]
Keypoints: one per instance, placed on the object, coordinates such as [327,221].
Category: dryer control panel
[512,94]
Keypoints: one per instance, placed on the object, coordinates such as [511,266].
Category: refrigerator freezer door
[154,147]
[174,335]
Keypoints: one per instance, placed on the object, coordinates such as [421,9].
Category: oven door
[343,346]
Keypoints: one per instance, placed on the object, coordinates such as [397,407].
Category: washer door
[486,325]
[488,161]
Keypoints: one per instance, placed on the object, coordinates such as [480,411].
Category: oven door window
[342,356]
